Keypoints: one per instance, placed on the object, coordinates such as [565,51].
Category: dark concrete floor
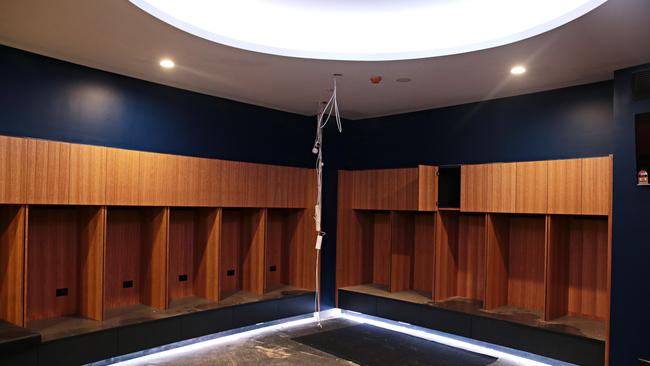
[268,348]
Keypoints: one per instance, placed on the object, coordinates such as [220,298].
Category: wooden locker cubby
[578,267]
[241,252]
[460,257]
[515,262]
[289,249]
[64,250]
[193,253]
[12,260]
[136,257]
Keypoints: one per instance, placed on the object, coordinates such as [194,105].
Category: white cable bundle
[330,108]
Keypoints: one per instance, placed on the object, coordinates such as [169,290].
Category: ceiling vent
[641,85]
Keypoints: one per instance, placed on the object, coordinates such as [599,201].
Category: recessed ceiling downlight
[366,30]
[518,70]
[166,63]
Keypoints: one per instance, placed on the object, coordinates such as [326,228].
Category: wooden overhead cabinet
[122,177]
[87,175]
[565,186]
[48,172]
[501,185]
[532,187]
[597,186]
[13,169]
[474,187]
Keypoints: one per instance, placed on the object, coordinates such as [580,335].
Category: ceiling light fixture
[166,63]
[419,28]
[518,70]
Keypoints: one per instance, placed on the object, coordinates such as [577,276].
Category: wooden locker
[473,187]
[532,187]
[565,186]
[13,169]
[48,173]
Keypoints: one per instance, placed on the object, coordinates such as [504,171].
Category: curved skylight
[366,30]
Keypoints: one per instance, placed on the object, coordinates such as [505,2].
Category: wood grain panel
[154,257]
[423,249]
[427,188]
[52,263]
[87,175]
[188,176]
[92,224]
[381,248]
[124,235]
[206,278]
[387,189]
[578,262]
[446,253]
[557,273]
[182,243]
[352,231]
[13,170]
[526,262]
[498,242]
[12,259]
[278,236]
[253,237]
[532,187]
[596,186]
[471,257]
[301,256]
[122,177]
[230,253]
[401,265]
[158,177]
[588,258]
[473,187]
[48,173]
[501,184]
[565,186]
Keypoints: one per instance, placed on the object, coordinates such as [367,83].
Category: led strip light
[484,348]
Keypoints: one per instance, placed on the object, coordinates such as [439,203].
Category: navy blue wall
[47,98]
[570,122]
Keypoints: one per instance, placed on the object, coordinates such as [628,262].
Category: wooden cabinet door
[502,180]
[473,187]
[48,174]
[532,187]
[122,177]
[157,179]
[565,186]
[596,186]
[13,169]
[187,181]
[87,175]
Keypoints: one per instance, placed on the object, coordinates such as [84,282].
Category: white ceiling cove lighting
[366,30]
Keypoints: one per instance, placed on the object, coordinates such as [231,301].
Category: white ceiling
[116,36]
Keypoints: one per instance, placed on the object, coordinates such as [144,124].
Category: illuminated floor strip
[503,353]
[457,342]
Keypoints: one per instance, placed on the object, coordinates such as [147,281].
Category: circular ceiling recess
[366,30]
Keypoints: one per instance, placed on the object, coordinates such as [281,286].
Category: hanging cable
[325,109]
